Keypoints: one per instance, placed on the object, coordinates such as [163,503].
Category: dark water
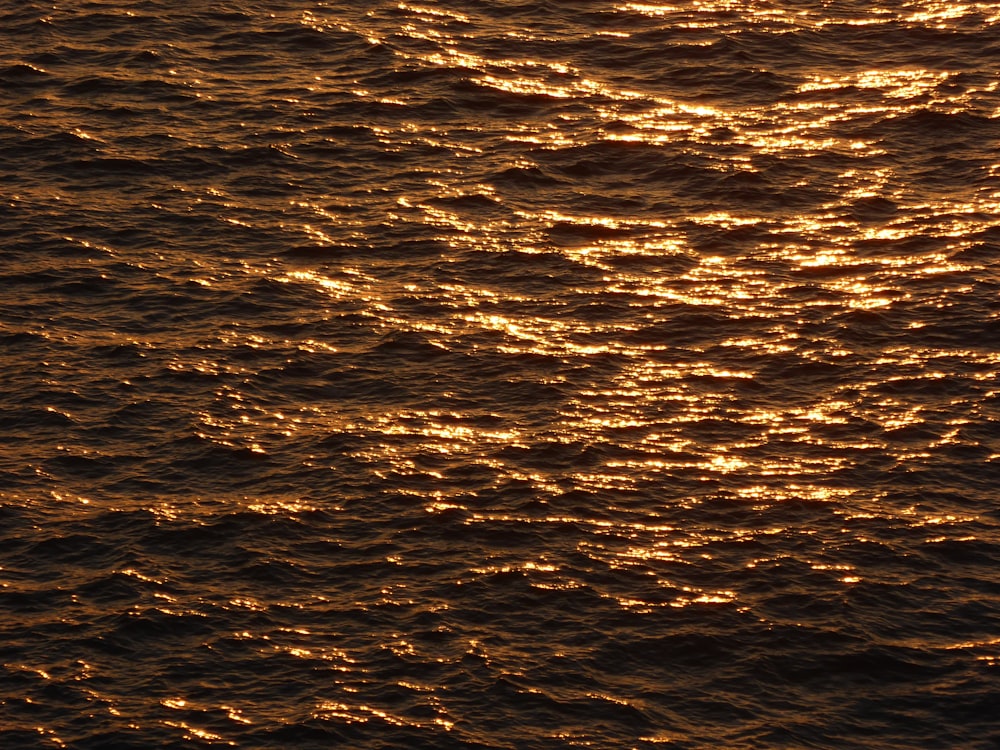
[499,374]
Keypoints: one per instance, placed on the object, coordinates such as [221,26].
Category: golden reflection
[702,597]
[715,14]
[893,83]
[788,127]
[193,734]
[441,13]
[938,14]
[363,713]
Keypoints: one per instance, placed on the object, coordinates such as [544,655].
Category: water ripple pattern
[510,375]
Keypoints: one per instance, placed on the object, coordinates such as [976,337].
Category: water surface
[499,375]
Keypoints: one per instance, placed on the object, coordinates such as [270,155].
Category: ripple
[425,375]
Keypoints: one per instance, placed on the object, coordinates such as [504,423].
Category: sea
[500,374]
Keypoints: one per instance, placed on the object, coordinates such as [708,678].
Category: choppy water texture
[500,374]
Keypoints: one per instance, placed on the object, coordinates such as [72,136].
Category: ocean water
[517,374]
